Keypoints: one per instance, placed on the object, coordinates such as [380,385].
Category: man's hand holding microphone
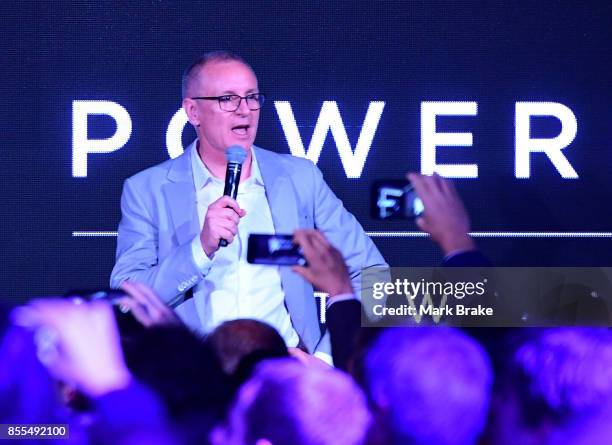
[222,217]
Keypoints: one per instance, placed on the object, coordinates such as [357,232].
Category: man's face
[220,129]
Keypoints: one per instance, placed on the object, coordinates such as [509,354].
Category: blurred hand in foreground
[445,217]
[308,360]
[78,342]
[146,306]
[326,269]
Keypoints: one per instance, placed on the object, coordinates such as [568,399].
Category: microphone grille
[235,154]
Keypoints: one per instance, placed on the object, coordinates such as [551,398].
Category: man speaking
[174,216]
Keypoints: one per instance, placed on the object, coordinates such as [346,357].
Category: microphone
[235,156]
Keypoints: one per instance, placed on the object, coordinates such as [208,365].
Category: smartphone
[277,250]
[110,295]
[395,200]
[126,322]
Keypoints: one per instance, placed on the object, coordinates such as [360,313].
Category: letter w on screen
[330,119]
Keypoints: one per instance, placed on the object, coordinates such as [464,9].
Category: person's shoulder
[153,171]
[151,175]
[156,175]
[293,164]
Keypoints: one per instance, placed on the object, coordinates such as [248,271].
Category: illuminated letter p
[82,146]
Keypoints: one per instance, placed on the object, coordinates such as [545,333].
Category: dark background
[352,52]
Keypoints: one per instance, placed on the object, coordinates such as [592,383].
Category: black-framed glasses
[231,102]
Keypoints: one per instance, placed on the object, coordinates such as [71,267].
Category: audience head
[241,343]
[552,379]
[428,386]
[592,431]
[181,368]
[287,403]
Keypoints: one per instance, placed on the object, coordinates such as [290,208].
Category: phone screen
[395,200]
[276,250]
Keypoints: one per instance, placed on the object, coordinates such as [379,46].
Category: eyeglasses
[231,102]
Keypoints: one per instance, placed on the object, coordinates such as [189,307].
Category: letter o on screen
[174,134]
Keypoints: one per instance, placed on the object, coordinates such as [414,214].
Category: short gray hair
[561,373]
[287,402]
[435,383]
[214,56]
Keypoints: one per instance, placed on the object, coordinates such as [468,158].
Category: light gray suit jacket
[159,220]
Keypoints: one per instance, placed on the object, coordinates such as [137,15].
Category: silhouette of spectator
[551,380]
[288,403]
[428,386]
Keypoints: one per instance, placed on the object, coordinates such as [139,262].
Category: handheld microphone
[235,156]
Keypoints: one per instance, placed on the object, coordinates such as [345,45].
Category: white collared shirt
[232,288]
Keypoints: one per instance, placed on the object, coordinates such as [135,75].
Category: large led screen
[512,100]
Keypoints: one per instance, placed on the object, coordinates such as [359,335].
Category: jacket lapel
[282,199]
[180,196]
[280,192]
